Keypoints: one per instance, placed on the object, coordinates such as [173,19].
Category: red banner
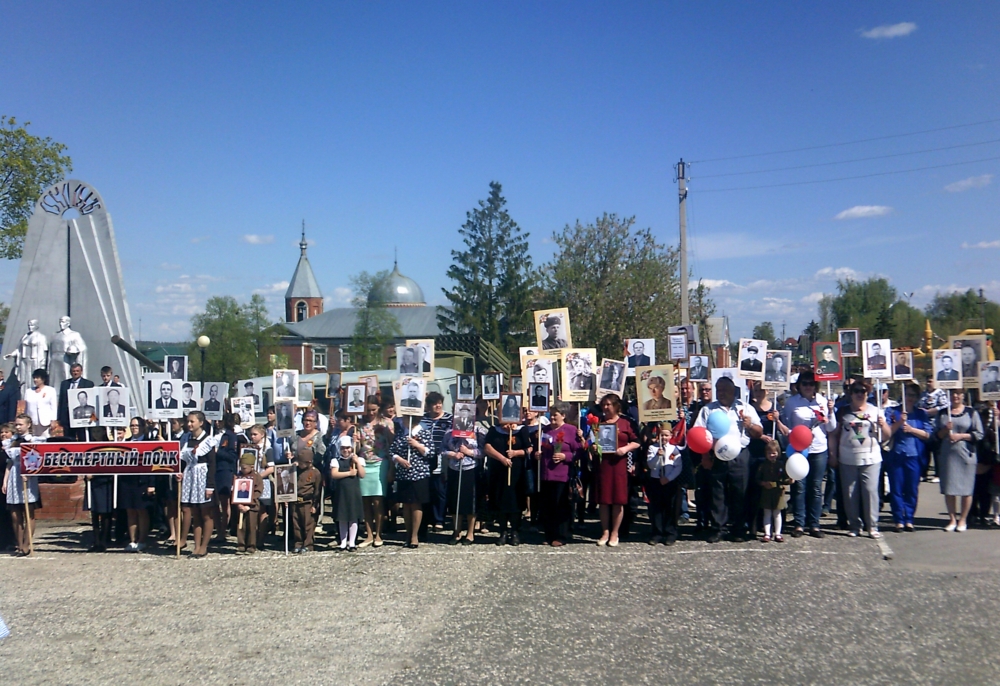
[138,457]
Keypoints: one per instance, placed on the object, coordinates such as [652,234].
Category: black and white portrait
[356,398]
[214,394]
[164,398]
[948,368]
[612,377]
[516,385]
[243,407]
[848,342]
[776,370]
[176,366]
[371,383]
[902,365]
[539,370]
[333,385]
[973,350]
[526,353]
[286,486]
[114,401]
[250,389]
[538,397]
[989,380]
[510,408]
[463,423]
[286,383]
[83,404]
[552,330]
[492,385]
[306,392]
[466,387]
[639,352]
[578,373]
[284,418]
[408,359]
[425,355]
[412,390]
[875,361]
[698,367]
[190,396]
[607,437]
[752,353]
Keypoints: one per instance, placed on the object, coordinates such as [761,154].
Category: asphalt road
[830,611]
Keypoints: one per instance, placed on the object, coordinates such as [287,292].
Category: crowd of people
[543,477]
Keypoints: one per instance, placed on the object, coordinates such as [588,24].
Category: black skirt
[466,499]
[132,493]
[102,493]
[413,492]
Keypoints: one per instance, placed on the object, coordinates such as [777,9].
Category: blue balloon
[789,451]
[718,424]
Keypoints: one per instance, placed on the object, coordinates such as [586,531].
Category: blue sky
[213,129]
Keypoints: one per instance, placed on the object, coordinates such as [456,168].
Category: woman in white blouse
[41,403]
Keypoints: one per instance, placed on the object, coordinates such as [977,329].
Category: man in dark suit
[611,377]
[876,360]
[248,393]
[902,367]
[189,402]
[991,379]
[74,382]
[213,404]
[166,401]
[639,358]
[538,396]
[411,399]
[750,363]
[114,406]
[947,373]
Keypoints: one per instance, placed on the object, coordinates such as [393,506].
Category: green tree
[235,332]
[827,323]
[618,283]
[813,332]
[493,278]
[28,165]
[951,313]
[375,326]
[765,332]
[874,307]
[4,314]
[700,308]
[265,333]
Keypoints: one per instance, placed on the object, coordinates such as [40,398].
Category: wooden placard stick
[510,446]
[27,517]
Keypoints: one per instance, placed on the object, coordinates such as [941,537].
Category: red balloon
[800,438]
[699,440]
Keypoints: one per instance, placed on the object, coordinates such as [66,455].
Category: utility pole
[982,310]
[681,170]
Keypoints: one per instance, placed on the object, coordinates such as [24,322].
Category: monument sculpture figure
[31,354]
[67,348]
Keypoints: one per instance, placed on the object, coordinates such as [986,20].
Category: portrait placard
[677,346]
[176,366]
[639,352]
[248,388]
[552,331]
[876,358]
[463,421]
[190,397]
[742,385]
[578,366]
[307,390]
[286,485]
[114,403]
[163,399]
[826,359]
[697,368]
[654,386]
[83,404]
[242,490]
[333,385]
[285,384]
[371,381]
[243,408]
[902,365]
[413,390]
[948,369]
[214,396]
[848,339]
[527,352]
[466,387]
[408,360]
[989,380]
[538,396]
[284,417]
[356,398]
[510,408]
[607,437]
[541,370]
[776,373]
[425,355]
[612,379]
[492,386]
[973,350]
[750,361]
[516,384]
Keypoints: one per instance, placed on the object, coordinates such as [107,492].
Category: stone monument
[31,354]
[70,268]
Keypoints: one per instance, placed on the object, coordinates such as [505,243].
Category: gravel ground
[808,611]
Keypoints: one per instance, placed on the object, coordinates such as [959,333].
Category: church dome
[397,291]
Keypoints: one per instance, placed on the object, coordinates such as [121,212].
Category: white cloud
[812,298]
[968,184]
[864,212]
[718,284]
[166,266]
[904,28]
[276,287]
[981,245]
[340,296]
[839,273]
[257,239]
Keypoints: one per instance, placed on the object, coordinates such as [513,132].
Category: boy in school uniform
[310,485]
[246,535]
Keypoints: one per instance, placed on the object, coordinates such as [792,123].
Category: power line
[835,145]
[858,159]
[847,178]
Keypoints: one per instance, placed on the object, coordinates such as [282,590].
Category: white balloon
[797,466]
[728,447]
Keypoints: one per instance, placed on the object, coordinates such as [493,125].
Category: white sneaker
[131,548]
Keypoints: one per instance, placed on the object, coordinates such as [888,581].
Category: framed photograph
[654,387]
[875,360]
[286,384]
[973,349]
[552,330]
[190,397]
[510,408]
[251,389]
[948,368]
[164,400]
[697,366]
[607,437]
[284,418]
[242,490]
[408,360]
[371,381]
[516,385]
[492,385]
[83,404]
[307,390]
[742,387]
[176,366]
[578,365]
[286,485]
[538,396]
[826,358]
[114,403]
[466,388]
[213,399]
[243,407]
[848,339]
[776,370]
[333,385]
[541,370]
[463,421]
[413,390]
[902,365]
[677,346]
[527,352]
[639,352]
[750,362]
[612,379]
[989,380]
[425,355]
[356,393]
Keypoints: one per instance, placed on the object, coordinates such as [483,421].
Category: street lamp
[203,342]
